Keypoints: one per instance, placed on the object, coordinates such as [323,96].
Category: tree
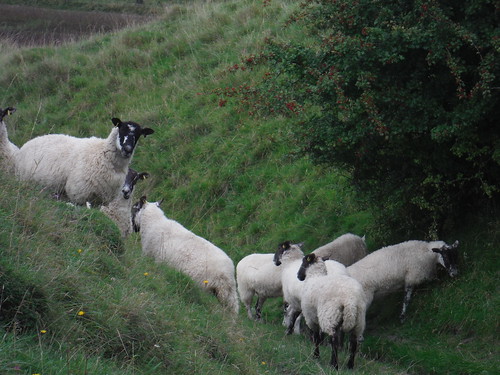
[405,94]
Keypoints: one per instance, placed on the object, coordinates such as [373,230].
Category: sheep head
[128,135]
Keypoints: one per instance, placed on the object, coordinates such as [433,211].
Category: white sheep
[289,258]
[404,265]
[7,148]
[332,303]
[120,209]
[84,169]
[168,241]
[346,249]
[256,274]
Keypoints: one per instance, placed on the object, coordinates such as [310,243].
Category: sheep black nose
[128,148]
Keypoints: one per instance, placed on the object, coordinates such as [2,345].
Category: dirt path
[25,25]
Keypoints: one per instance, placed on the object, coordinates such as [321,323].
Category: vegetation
[404,95]
[233,178]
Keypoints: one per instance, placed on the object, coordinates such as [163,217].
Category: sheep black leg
[291,323]
[334,341]
[406,302]
[353,347]
[258,308]
[317,341]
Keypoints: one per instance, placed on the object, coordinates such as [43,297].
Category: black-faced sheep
[256,274]
[403,266]
[84,169]
[332,303]
[120,209]
[168,241]
[289,257]
[7,148]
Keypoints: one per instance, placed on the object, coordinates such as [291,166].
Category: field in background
[32,26]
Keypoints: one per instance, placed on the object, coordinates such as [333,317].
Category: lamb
[120,209]
[332,303]
[84,169]
[346,249]
[404,265]
[256,274]
[289,257]
[7,148]
[168,241]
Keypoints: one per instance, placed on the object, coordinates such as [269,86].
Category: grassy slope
[228,177]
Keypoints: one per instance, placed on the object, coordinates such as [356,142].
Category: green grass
[230,177]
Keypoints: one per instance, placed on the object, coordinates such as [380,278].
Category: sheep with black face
[403,266]
[168,241]
[332,303]
[83,169]
[7,148]
[120,209]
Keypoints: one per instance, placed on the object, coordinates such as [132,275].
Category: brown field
[29,26]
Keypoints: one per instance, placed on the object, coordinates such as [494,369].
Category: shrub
[403,94]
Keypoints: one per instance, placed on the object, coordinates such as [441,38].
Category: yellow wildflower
[263,362]
[79,251]
[146,273]
[43,331]
[205,282]
[81,313]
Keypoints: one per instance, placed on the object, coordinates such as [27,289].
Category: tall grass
[231,178]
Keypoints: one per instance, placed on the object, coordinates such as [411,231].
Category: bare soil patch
[31,26]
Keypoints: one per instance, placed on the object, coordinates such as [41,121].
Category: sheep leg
[258,307]
[291,324]
[353,347]
[334,342]
[316,337]
[406,302]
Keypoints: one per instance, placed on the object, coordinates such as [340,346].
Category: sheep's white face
[128,135]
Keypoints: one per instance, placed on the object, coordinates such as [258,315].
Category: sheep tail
[228,296]
[350,316]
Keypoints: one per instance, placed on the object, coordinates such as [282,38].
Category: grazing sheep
[289,258]
[84,169]
[404,265]
[256,274]
[332,303]
[168,241]
[7,148]
[346,249]
[120,209]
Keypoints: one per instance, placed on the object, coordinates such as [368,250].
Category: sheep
[332,303]
[120,209]
[168,241]
[256,274]
[84,169]
[404,265]
[346,249]
[289,258]
[7,148]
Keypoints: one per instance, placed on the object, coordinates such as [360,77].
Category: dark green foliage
[404,94]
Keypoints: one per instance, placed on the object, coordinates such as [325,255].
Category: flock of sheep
[331,288]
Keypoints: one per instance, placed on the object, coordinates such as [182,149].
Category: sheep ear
[6,112]
[300,244]
[147,131]
[310,257]
[116,121]
[143,176]
[143,200]
[160,202]
[325,258]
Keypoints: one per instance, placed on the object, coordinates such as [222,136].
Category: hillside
[232,178]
